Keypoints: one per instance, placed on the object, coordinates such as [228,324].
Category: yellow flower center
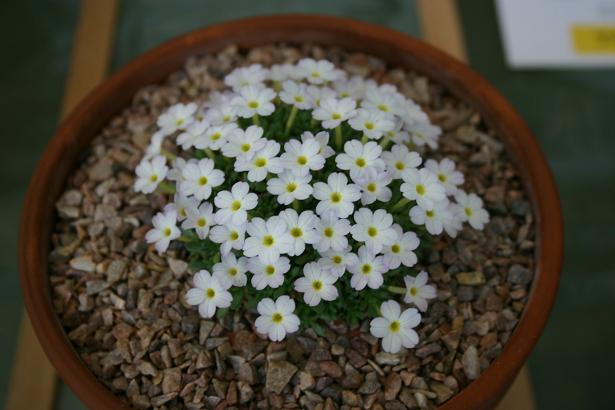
[269,270]
[234,235]
[268,240]
[413,291]
[202,181]
[429,214]
[317,285]
[210,293]
[369,125]
[260,162]
[395,248]
[245,147]
[372,231]
[336,197]
[291,187]
[469,212]
[394,327]
[154,178]
[166,231]
[253,104]
[337,259]
[360,162]
[277,318]
[302,160]
[201,222]
[328,232]
[371,187]
[315,74]
[216,136]
[296,232]
[299,99]
[442,177]
[336,116]
[366,269]
[232,271]
[400,165]
[383,107]
[420,189]
[236,205]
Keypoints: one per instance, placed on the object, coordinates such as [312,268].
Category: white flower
[372,123]
[423,187]
[181,204]
[229,237]
[374,186]
[175,174]
[317,72]
[289,186]
[447,176]
[208,293]
[276,318]
[244,76]
[150,174]
[164,231]
[177,117]
[231,271]
[385,100]
[418,291]
[402,250]
[323,140]
[400,159]
[316,284]
[300,228]
[268,239]
[318,94]
[471,209]
[434,219]
[242,143]
[301,157]
[332,112]
[282,72]
[195,131]
[355,87]
[332,233]
[398,135]
[155,145]
[215,137]
[233,206]
[200,178]
[253,100]
[358,158]
[396,329]
[373,228]
[337,262]
[296,94]
[424,133]
[269,273]
[263,162]
[200,219]
[367,270]
[336,195]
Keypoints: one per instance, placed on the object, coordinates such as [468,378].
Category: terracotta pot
[397,49]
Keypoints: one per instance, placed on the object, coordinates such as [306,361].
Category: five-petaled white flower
[332,233]
[215,137]
[289,186]
[150,174]
[402,250]
[194,132]
[336,262]
[302,157]
[372,123]
[263,162]
[233,206]
[446,173]
[337,195]
[367,270]
[296,94]
[400,159]
[471,209]
[253,100]
[229,237]
[374,186]
[316,284]
[423,187]
[270,273]
[177,117]
[181,204]
[373,228]
[208,293]
[231,271]
[418,291]
[358,158]
[244,144]
[317,72]
[200,219]
[434,219]
[276,318]
[396,329]
[332,112]
[323,140]
[199,178]
[301,229]
[241,77]
[164,231]
[268,239]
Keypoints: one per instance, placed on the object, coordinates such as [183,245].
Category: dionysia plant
[304,195]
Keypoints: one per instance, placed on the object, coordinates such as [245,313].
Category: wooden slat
[33,379]
[442,28]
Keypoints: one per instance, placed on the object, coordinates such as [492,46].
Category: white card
[558,33]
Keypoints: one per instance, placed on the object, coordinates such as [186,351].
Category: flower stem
[364,139]
[385,141]
[166,188]
[169,155]
[397,289]
[291,119]
[210,154]
[338,137]
[400,204]
[256,120]
[184,239]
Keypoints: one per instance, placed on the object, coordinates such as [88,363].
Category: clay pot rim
[397,49]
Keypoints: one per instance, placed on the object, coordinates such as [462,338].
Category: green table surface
[570,111]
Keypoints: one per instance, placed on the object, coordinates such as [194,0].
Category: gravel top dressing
[123,305]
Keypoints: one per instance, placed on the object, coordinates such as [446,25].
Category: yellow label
[593,39]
